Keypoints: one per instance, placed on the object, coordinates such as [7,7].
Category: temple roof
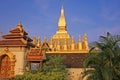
[35,54]
[16,37]
[12,43]
[45,46]
[11,35]
[19,29]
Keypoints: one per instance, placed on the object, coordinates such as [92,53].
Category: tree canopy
[104,64]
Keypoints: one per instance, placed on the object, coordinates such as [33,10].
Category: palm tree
[104,64]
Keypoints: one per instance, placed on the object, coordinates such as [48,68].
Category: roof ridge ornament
[19,24]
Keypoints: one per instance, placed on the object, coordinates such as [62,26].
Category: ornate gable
[16,37]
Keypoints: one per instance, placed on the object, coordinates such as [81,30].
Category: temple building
[19,52]
[62,42]
[13,48]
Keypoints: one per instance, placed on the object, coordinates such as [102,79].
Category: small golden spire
[85,42]
[72,39]
[34,40]
[45,39]
[85,37]
[62,21]
[51,40]
[38,42]
[62,11]
[79,38]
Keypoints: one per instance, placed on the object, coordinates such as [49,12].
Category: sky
[40,17]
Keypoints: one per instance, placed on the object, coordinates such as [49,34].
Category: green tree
[105,64]
[53,69]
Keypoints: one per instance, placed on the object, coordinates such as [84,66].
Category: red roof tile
[35,54]
[11,35]
[17,30]
[11,42]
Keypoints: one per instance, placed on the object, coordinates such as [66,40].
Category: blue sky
[40,17]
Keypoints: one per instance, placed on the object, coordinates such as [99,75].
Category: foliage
[53,69]
[105,64]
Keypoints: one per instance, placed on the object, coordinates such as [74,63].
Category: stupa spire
[62,21]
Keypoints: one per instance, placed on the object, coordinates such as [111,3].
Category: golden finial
[38,41]
[84,37]
[45,39]
[51,40]
[34,40]
[72,39]
[62,21]
[79,38]
[19,24]
[62,11]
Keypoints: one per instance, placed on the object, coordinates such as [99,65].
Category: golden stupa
[62,42]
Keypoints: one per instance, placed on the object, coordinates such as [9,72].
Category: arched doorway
[5,66]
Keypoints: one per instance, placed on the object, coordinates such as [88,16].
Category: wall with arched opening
[7,63]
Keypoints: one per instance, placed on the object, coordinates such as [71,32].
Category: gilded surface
[61,41]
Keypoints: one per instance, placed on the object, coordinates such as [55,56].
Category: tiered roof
[16,37]
[35,54]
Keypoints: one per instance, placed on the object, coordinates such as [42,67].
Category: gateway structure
[13,48]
